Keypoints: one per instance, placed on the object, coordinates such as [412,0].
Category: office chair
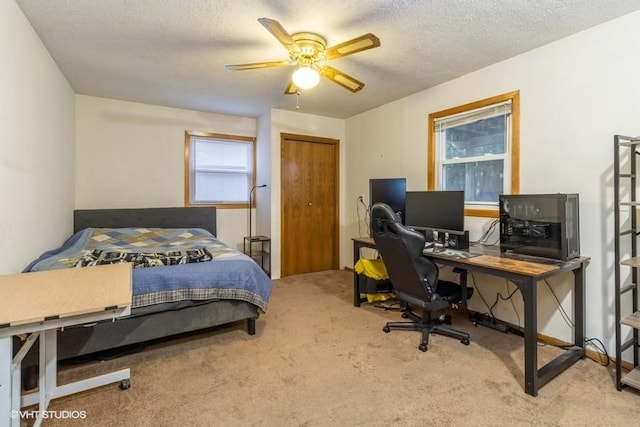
[414,277]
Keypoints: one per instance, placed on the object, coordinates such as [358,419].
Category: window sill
[485,213]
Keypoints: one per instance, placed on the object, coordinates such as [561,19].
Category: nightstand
[259,249]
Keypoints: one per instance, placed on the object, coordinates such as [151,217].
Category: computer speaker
[458,240]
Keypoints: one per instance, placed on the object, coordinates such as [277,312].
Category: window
[475,148]
[219,169]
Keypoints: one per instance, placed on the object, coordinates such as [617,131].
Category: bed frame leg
[251,326]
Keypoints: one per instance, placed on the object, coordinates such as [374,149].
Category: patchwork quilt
[181,264]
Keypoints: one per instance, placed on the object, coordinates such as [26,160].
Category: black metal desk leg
[530,298]
[463,285]
[356,276]
[579,305]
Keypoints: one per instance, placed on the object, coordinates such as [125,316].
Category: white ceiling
[173,52]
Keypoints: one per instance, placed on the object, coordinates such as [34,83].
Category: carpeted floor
[318,361]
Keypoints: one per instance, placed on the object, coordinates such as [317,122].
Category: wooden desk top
[38,296]
[517,266]
[491,257]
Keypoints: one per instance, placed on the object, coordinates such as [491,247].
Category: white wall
[264,162]
[302,124]
[576,94]
[132,155]
[36,158]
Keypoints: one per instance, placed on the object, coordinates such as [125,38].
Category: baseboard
[596,356]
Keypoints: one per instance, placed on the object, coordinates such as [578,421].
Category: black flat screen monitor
[439,210]
[391,191]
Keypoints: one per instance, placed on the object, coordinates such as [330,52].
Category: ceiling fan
[309,52]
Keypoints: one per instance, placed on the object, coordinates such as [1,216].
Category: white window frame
[189,171]
[469,113]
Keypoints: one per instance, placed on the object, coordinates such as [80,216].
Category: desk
[39,304]
[525,273]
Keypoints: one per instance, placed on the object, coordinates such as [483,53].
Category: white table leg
[48,371]
[16,386]
[7,390]
[48,388]
[51,362]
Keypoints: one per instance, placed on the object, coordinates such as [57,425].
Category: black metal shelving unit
[626,204]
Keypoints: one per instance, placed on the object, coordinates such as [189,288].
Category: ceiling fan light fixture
[309,52]
[305,77]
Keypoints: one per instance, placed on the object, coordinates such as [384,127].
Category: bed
[239,290]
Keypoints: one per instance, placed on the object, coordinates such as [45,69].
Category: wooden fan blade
[280,33]
[291,89]
[341,78]
[253,66]
[364,42]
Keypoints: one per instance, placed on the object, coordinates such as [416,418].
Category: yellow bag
[373,268]
[376,270]
[378,297]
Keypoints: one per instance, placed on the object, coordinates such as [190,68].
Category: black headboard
[193,217]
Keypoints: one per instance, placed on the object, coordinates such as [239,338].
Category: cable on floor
[392,304]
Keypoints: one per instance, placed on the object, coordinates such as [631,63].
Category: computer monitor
[391,191]
[435,210]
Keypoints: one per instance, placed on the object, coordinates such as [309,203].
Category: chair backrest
[411,274]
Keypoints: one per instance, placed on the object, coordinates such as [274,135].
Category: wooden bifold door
[309,204]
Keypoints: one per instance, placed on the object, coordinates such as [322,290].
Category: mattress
[173,267]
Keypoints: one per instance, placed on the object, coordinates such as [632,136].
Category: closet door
[309,204]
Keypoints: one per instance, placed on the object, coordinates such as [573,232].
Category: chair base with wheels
[449,292]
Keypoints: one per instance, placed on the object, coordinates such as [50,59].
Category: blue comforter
[229,275]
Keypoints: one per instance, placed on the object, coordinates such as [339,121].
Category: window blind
[500,109]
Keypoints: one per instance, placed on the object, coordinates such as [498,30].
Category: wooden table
[40,303]
[525,272]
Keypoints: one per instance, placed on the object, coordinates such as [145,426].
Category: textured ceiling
[173,52]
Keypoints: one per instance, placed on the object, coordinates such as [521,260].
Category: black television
[435,210]
[391,191]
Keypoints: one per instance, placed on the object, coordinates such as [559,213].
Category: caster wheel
[422,347]
[445,318]
[386,329]
[125,384]
[405,316]
[465,341]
